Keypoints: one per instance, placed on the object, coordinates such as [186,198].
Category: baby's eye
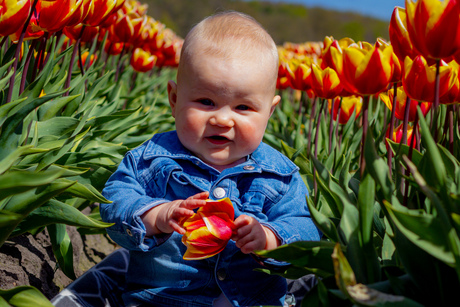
[206,102]
[242,107]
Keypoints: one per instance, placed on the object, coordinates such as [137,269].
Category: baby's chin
[221,165]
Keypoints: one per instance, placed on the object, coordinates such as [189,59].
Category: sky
[381,9]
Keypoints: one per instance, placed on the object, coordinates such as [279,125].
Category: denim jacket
[267,187]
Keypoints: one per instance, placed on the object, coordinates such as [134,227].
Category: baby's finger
[242,220]
[176,227]
[202,195]
[193,203]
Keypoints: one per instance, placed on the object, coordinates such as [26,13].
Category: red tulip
[434,27]
[13,15]
[366,70]
[332,52]
[397,136]
[419,79]
[54,15]
[87,34]
[348,106]
[99,11]
[325,83]
[32,31]
[453,94]
[142,61]
[299,75]
[400,105]
[127,28]
[399,36]
[209,229]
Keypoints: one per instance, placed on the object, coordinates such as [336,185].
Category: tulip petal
[219,227]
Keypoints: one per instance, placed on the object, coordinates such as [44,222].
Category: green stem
[18,49]
[365,127]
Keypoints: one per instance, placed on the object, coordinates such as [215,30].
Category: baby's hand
[250,235]
[168,217]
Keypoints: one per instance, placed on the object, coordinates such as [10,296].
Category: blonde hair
[230,34]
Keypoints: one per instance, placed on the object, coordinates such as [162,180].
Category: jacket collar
[264,158]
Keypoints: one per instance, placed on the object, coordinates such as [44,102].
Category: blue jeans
[103,285]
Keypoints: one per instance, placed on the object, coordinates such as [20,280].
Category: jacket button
[248,167]
[128,231]
[218,193]
[221,274]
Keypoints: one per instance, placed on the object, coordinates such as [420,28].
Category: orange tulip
[434,27]
[366,70]
[142,61]
[348,106]
[209,229]
[419,79]
[325,83]
[400,105]
[13,15]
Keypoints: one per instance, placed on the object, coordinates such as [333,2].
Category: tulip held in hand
[209,229]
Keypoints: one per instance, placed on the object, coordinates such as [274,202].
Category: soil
[29,260]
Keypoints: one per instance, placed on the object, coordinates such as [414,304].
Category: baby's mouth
[218,139]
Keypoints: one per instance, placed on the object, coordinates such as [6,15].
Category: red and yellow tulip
[54,15]
[100,10]
[367,70]
[400,105]
[299,75]
[347,107]
[13,15]
[325,83]
[127,28]
[399,36]
[397,136]
[434,27]
[419,79]
[33,31]
[142,61]
[209,229]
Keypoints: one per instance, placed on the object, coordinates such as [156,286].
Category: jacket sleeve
[129,201]
[289,218]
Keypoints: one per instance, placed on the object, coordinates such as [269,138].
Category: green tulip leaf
[84,191]
[312,255]
[56,212]
[323,222]
[404,149]
[24,296]
[62,248]
[425,231]
[431,167]
[377,168]
[16,182]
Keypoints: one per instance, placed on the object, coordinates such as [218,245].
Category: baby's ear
[172,96]
[275,102]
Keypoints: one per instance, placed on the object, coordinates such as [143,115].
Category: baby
[222,101]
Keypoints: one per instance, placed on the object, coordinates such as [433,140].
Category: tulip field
[373,127]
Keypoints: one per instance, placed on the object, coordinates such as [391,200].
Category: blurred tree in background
[285,22]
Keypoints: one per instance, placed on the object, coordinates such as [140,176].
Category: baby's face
[222,107]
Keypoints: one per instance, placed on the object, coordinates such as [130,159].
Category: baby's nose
[222,118]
